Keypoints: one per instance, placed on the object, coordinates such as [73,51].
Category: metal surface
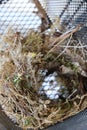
[19,15]
[67,10]
[77,122]
[6,123]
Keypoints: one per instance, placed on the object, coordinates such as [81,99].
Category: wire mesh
[18,15]
[69,11]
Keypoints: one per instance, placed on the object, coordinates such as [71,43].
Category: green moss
[27,121]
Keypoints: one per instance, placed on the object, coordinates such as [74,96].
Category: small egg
[47,79]
[56,97]
[49,92]
[57,88]
[52,78]
[44,84]
[51,87]
[51,96]
[54,92]
[46,87]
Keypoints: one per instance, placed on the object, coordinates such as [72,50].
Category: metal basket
[22,16]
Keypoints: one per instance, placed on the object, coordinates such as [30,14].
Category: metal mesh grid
[69,11]
[19,15]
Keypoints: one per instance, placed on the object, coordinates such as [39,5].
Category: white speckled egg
[56,97]
[51,96]
[54,92]
[47,79]
[52,78]
[46,87]
[57,88]
[49,92]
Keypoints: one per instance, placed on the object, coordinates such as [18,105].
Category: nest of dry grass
[22,58]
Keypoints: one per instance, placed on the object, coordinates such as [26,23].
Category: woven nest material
[22,61]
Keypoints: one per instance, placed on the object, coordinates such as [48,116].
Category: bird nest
[23,61]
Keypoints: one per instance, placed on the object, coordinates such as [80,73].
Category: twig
[53,114]
[82,100]
[64,49]
[60,39]
[65,35]
[24,97]
[78,47]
